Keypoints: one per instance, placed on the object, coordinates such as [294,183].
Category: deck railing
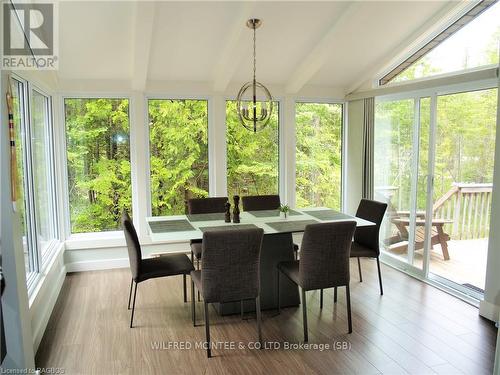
[468,206]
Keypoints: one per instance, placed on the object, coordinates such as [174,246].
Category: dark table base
[275,248]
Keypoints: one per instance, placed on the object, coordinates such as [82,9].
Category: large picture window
[318,155]
[252,158]
[178,144]
[98,152]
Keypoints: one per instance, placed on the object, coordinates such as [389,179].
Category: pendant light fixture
[254,101]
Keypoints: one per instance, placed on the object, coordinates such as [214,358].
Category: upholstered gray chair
[324,263]
[230,271]
[366,239]
[150,268]
[203,206]
[264,202]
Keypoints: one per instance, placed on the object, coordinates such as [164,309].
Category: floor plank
[414,328]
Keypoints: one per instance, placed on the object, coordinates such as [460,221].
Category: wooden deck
[467,263]
[414,328]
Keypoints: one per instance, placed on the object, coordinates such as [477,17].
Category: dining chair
[230,272]
[366,238]
[151,268]
[324,263]
[261,202]
[264,202]
[203,206]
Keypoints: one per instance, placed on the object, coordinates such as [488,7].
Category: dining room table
[277,244]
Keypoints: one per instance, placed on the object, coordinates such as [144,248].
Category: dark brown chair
[150,268]
[324,263]
[366,239]
[230,271]
[203,206]
[261,202]
[264,202]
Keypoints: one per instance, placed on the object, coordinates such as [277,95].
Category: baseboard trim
[96,265]
[489,311]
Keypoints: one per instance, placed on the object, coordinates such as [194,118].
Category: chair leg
[304,314]
[321,298]
[259,320]
[335,295]
[207,331]
[184,287]
[278,291]
[348,300]
[359,269]
[198,267]
[133,306]
[380,277]
[193,306]
[130,293]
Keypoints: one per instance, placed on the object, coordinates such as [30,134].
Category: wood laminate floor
[414,328]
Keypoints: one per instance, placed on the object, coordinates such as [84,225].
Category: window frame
[38,261]
[210,132]
[343,135]
[47,254]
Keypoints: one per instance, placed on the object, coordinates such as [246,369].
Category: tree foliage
[98,155]
[465,144]
[318,154]
[178,143]
[252,158]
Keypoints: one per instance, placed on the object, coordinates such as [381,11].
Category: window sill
[101,240]
[97,240]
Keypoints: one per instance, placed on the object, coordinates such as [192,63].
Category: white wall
[354,162]
[45,295]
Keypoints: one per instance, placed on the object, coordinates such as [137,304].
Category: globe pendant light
[254,101]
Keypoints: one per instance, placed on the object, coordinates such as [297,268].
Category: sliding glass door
[433,165]
[401,131]
[463,182]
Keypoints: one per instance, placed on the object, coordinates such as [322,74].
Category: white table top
[245,218]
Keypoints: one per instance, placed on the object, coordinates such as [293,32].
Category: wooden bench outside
[438,234]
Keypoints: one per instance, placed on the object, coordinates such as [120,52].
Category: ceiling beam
[319,54]
[144,19]
[234,49]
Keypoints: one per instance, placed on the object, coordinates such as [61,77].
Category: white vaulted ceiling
[331,44]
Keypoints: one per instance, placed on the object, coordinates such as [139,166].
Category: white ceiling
[332,44]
